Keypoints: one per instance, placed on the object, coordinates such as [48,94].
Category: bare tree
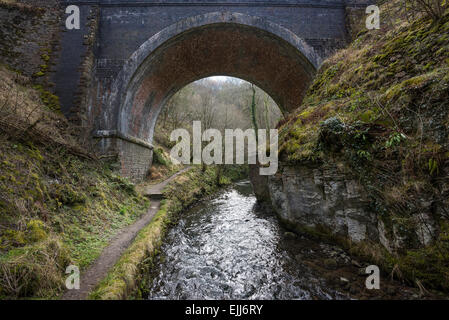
[253,108]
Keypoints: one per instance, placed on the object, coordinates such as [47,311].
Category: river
[227,247]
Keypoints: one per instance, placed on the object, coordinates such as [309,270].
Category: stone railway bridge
[129,57]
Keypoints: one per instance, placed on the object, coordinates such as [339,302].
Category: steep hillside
[375,122]
[58,205]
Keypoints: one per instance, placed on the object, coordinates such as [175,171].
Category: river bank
[230,247]
[111,254]
[364,161]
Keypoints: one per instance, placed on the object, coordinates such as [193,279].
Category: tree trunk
[253,112]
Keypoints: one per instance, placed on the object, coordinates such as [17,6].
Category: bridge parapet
[315,3]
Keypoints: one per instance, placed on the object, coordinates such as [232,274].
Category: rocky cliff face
[331,201]
[322,198]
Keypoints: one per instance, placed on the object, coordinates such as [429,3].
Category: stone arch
[134,94]
[219,43]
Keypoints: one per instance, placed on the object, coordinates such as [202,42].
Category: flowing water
[229,248]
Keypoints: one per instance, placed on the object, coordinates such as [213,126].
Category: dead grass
[23,116]
[34,269]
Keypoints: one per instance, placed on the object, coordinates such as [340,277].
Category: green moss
[12,238]
[158,157]
[36,230]
[48,99]
[68,195]
[428,265]
[39,74]
[368,116]
[45,57]
[34,270]
[124,184]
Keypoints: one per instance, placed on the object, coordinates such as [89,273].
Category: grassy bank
[128,278]
[58,205]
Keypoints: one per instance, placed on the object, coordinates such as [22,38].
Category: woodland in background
[217,104]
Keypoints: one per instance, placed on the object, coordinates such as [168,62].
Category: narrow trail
[112,253]
[155,191]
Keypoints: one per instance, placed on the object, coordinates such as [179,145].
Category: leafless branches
[432,8]
[12,280]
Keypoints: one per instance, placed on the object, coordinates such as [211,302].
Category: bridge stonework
[115,74]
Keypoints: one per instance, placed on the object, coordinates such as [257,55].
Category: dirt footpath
[112,253]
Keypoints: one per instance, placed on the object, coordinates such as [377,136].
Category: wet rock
[289,235]
[356,264]
[362,272]
[330,264]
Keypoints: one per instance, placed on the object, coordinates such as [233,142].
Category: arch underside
[230,49]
